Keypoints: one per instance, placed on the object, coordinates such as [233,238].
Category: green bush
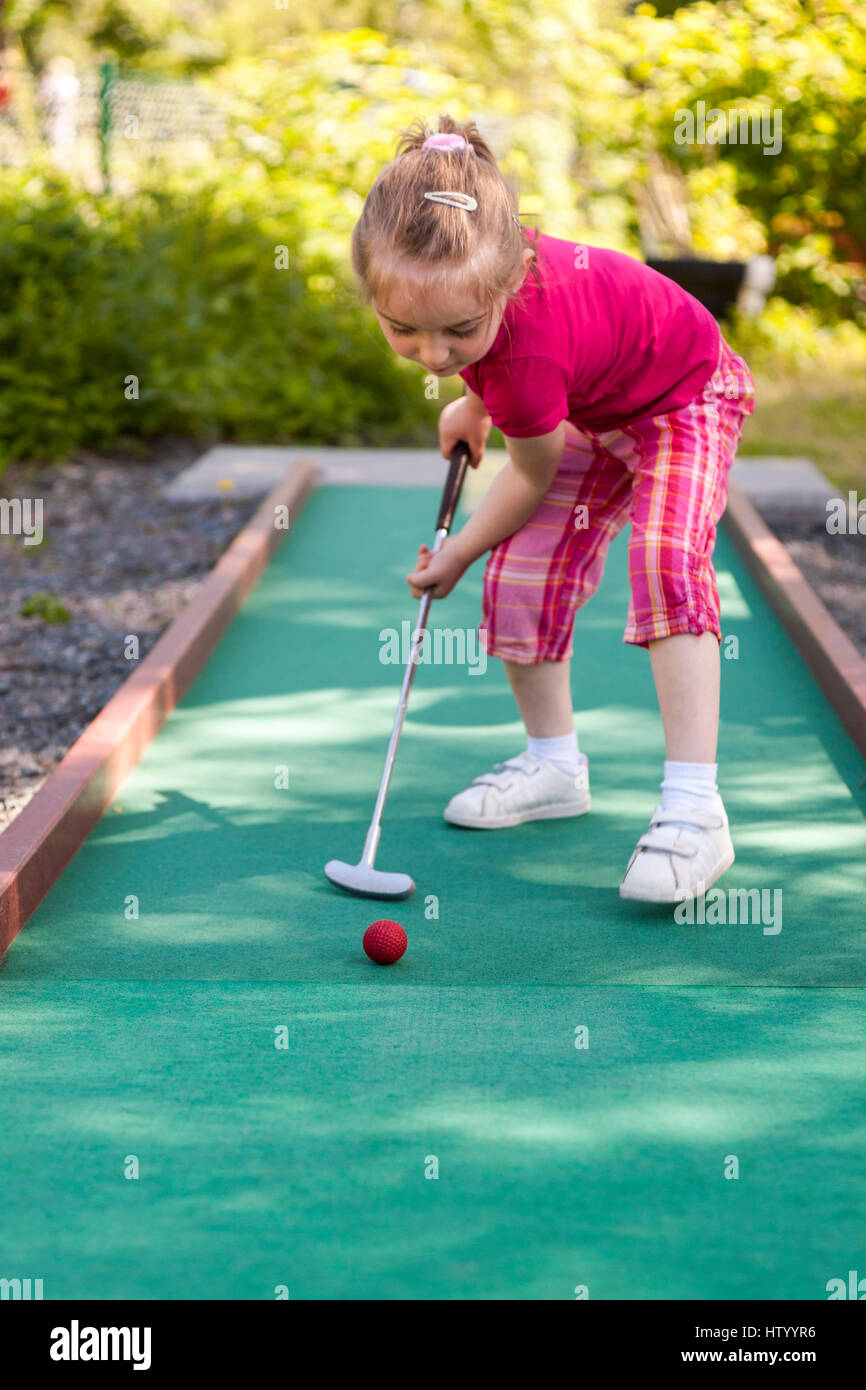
[804,61]
[164,312]
[789,337]
[161,311]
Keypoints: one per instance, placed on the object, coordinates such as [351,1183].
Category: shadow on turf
[306,1168]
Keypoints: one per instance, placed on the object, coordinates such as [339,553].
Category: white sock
[689,786]
[563,751]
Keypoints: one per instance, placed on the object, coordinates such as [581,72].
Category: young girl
[619,401]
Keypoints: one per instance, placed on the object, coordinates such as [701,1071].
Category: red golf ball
[385,942]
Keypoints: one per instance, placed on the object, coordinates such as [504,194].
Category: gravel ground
[835,566]
[122,561]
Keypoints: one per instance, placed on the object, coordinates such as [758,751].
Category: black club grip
[458,464]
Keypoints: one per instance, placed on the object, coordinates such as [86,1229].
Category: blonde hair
[480,251]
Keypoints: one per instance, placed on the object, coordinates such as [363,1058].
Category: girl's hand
[462,420]
[439,572]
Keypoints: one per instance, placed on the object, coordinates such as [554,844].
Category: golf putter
[364,879]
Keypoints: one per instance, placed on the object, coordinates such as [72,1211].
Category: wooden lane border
[40,842]
[829,653]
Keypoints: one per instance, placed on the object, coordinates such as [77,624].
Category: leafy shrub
[165,312]
[175,285]
[787,337]
[804,61]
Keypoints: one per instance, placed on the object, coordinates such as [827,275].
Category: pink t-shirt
[604,341]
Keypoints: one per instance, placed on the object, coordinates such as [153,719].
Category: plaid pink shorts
[667,475]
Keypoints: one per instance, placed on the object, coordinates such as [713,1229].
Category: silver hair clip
[454,200]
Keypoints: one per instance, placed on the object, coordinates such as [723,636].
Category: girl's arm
[514,494]
[511,500]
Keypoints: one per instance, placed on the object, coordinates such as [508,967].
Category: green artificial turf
[140,1008]
[602,1167]
[226,866]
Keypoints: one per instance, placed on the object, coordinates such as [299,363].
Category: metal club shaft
[362,878]
[371,844]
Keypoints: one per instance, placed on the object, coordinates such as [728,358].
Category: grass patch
[815,412]
[46,607]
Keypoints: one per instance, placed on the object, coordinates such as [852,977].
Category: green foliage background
[173,278]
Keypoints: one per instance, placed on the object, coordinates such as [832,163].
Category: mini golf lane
[305,1168]
[153,1035]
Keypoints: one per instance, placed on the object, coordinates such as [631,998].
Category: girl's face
[443,334]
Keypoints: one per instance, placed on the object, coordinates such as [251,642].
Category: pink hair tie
[446,142]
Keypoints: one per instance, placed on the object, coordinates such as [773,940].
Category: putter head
[365,882]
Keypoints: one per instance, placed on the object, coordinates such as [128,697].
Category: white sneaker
[673,863]
[522,789]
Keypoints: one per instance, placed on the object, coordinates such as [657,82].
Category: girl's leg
[681,467]
[686,670]
[543,695]
[533,583]
[551,778]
